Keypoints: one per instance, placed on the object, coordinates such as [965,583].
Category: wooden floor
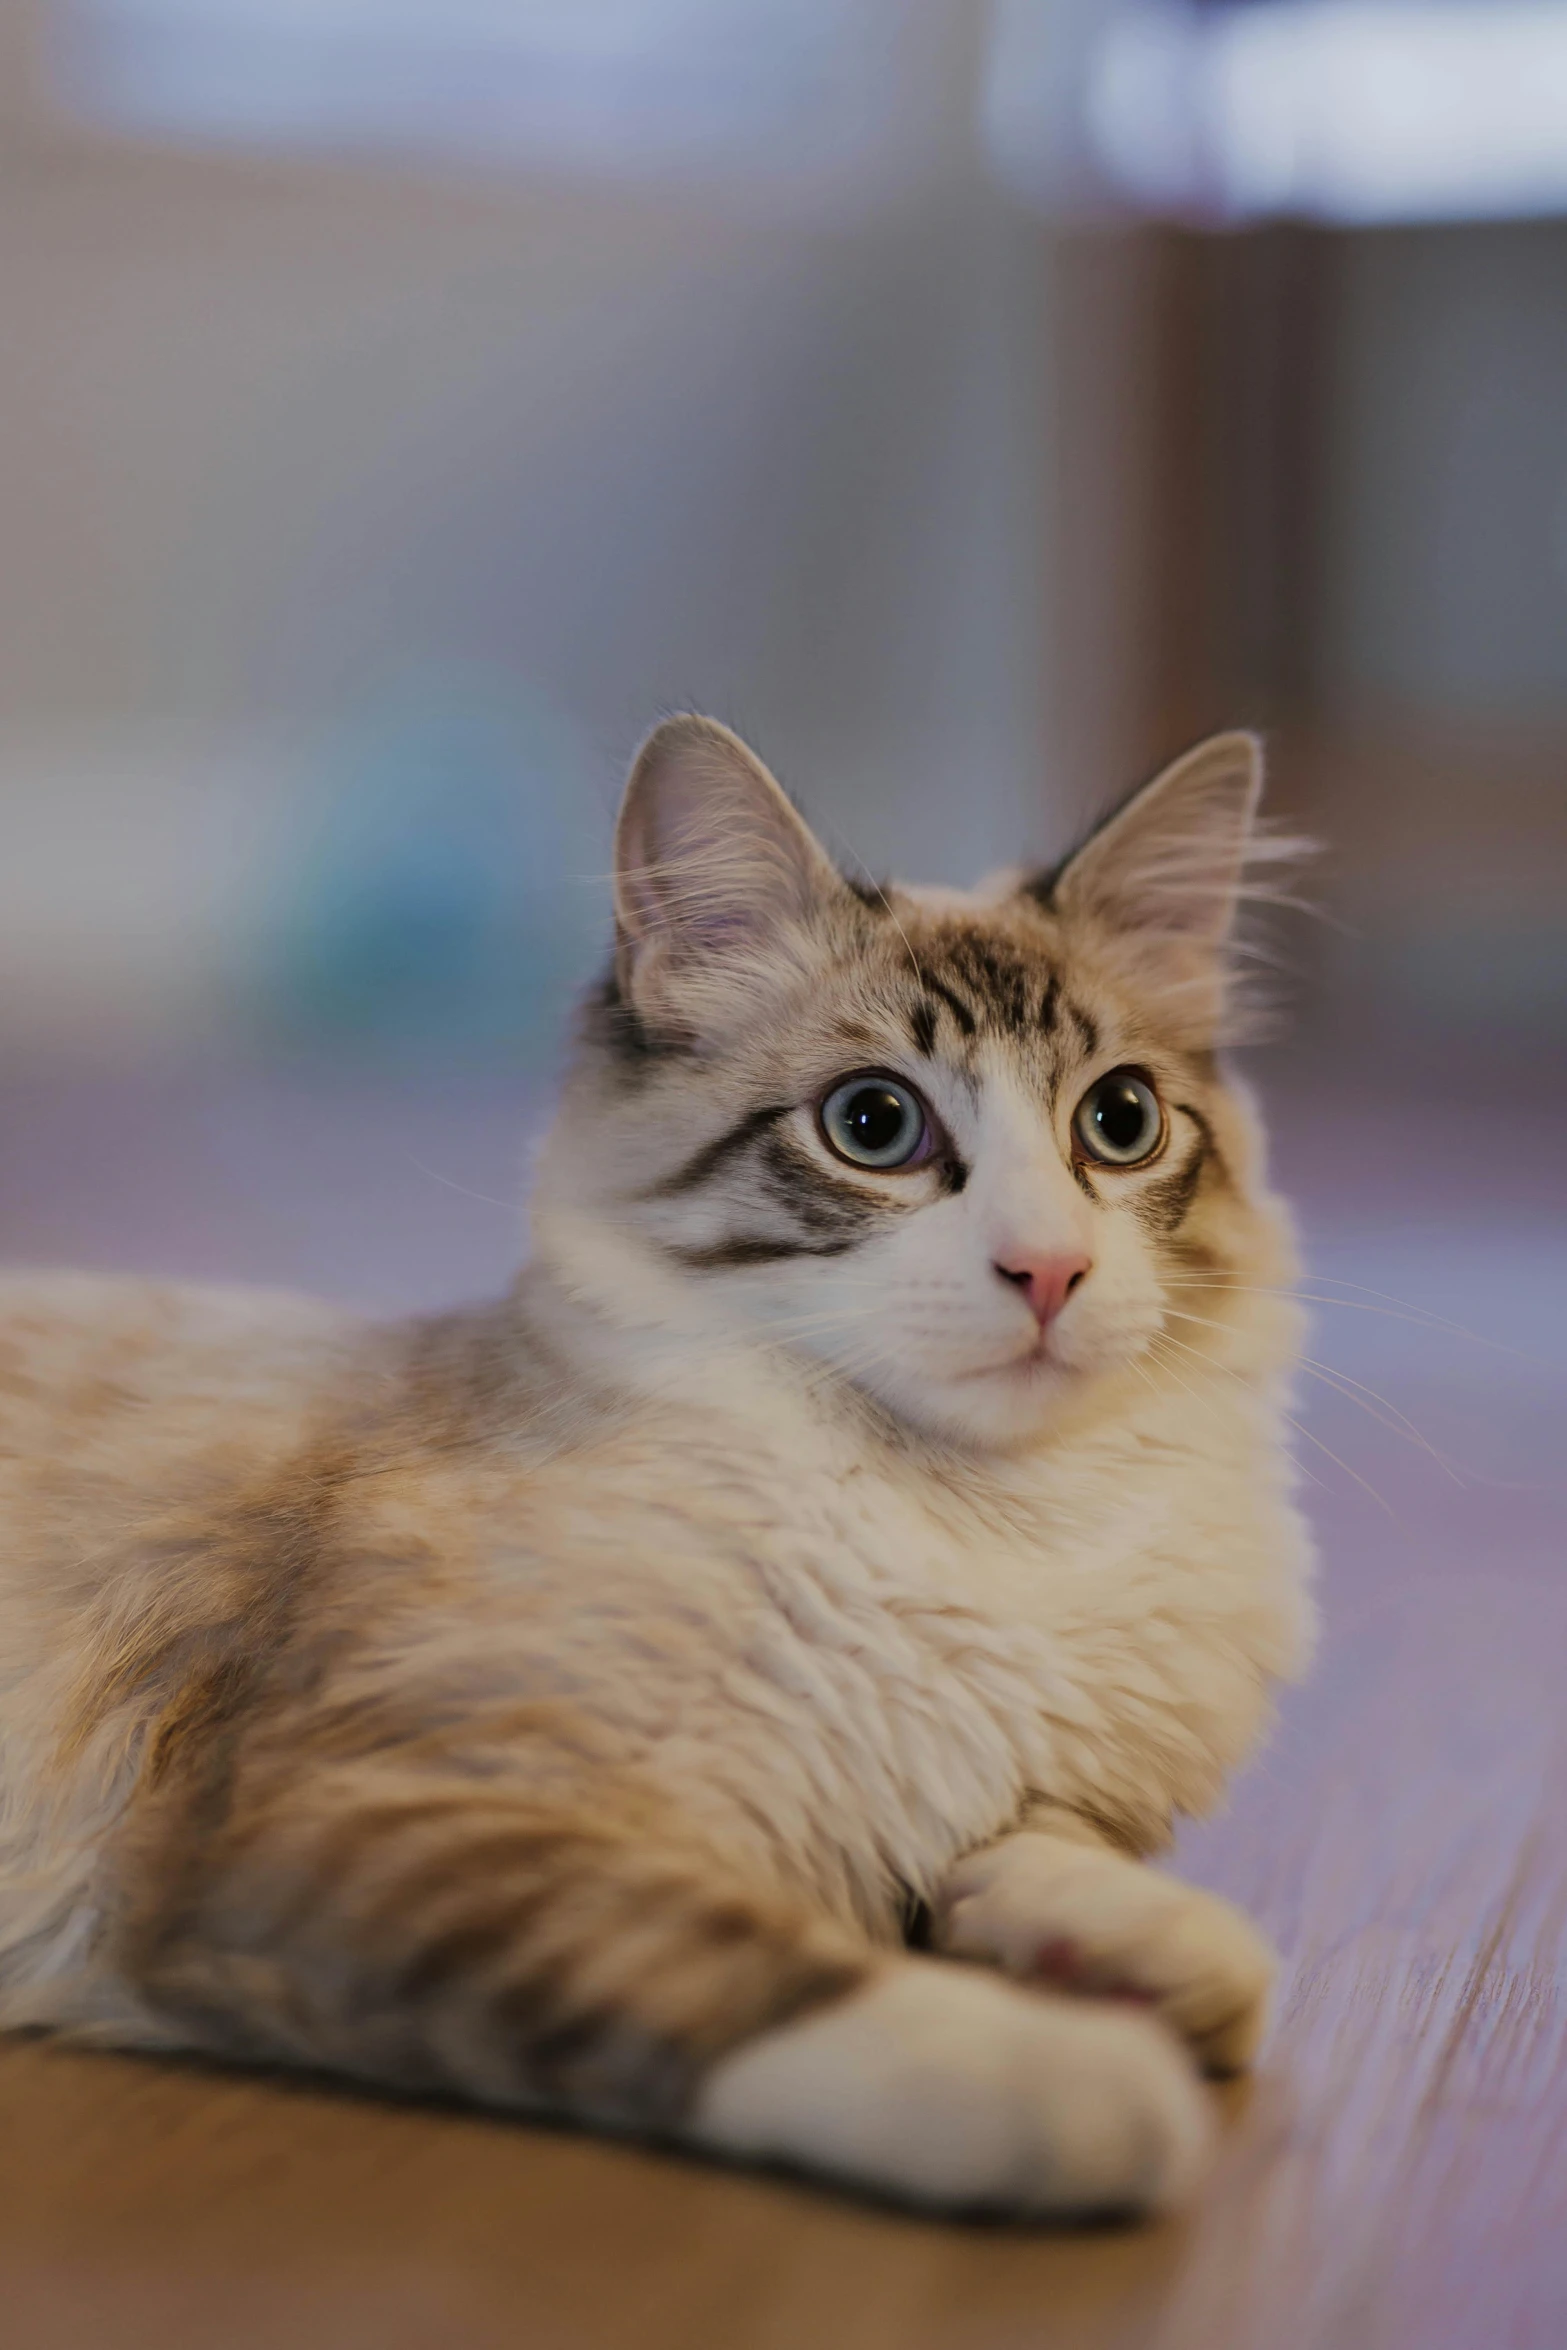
[1396,2176]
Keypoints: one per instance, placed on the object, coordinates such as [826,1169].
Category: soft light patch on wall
[1347,111]
[621,87]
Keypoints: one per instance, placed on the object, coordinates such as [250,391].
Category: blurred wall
[1439,718]
[1446,584]
[321,484]
[1351,448]
[359,513]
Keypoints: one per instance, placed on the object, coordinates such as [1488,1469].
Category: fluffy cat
[569,1704]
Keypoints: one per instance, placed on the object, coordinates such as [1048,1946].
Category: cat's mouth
[1041,1347]
[1031,1362]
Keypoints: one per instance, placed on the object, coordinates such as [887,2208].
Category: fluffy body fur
[572,1704]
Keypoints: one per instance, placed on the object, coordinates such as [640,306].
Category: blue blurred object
[440,893]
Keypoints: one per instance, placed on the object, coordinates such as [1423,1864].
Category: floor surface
[1395,2178]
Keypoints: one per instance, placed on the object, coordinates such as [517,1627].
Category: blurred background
[403,401]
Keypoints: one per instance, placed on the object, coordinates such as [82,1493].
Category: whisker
[1390,1417]
[1186,1388]
[1420,1316]
[511,1207]
[872,883]
[1168,1338]
[1354,1391]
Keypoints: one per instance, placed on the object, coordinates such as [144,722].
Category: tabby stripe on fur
[954,1003]
[922,1027]
[1002,985]
[707,1161]
[472,1942]
[1163,1206]
[722,1256]
[803,1190]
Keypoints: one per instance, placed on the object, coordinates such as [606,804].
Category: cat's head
[970,1151]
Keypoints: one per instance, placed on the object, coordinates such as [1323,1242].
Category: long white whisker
[1171,1372]
[1419,1316]
[1168,1338]
[1354,1391]
[511,1207]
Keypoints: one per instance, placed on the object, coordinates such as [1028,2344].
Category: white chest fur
[900,1651]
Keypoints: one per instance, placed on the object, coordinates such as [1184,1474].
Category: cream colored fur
[822,1561]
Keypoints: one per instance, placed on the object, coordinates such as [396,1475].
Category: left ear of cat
[713,867]
[1162,877]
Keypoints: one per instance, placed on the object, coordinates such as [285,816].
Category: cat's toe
[1090,1921]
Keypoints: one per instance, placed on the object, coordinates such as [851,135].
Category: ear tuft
[1167,874]
[712,862]
[1169,862]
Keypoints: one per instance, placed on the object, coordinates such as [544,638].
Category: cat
[870,1508]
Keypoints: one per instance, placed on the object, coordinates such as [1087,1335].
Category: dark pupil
[875,1117]
[1121,1115]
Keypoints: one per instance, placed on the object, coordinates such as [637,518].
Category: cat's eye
[876,1121]
[1119,1121]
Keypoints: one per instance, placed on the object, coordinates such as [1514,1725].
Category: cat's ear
[1170,860]
[1164,873]
[712,864]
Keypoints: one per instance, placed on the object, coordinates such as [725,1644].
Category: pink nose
[1046,1282]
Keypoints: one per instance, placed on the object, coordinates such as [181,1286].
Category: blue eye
[1119,1121]
[875,1122]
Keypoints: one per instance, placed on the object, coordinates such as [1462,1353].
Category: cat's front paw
[1053,1912]
[943,2087]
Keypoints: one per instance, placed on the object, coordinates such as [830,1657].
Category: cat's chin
[1001,1407]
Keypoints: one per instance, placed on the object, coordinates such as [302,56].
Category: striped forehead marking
[986,985]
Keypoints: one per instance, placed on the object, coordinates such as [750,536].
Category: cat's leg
[454,1938]
[1056,1903]
[940,2085]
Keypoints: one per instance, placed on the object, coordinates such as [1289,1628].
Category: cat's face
[971,1151]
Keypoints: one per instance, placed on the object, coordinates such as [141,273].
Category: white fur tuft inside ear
[1170,861]
[1164,879]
